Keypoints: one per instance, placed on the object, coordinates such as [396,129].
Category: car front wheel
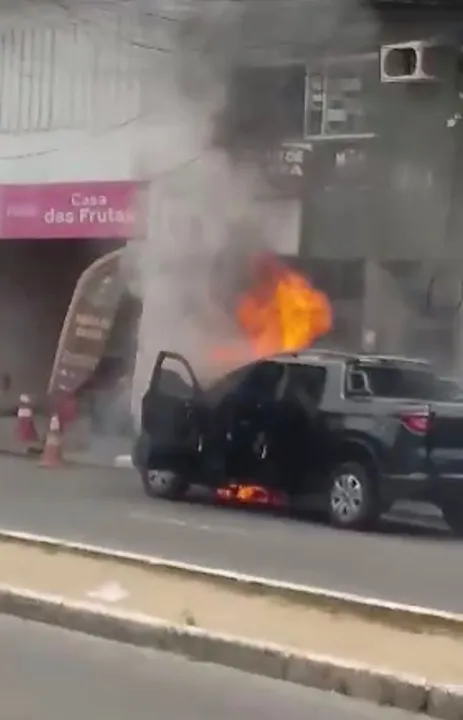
[351,498]
[164,484]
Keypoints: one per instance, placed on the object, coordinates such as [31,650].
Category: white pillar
[370,328]
[386,317]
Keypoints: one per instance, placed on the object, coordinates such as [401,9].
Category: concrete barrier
[357,680]
[396,615]
[322,672]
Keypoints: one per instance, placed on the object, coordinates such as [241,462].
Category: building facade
[82,108]
[371,97]
[68,118]
[355,119]
[382,222]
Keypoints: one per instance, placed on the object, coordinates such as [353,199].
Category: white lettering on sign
[89,333]
[80,200]
[89,215]
[109,215]
[58,217]
[293,156]
[93,322]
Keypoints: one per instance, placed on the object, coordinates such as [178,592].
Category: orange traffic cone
[52,455]
[25,428]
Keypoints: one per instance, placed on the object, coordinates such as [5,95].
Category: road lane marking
[192,525]
[146,517]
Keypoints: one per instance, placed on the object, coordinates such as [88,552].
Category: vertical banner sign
[88,324]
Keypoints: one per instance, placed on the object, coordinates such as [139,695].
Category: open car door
[172,418]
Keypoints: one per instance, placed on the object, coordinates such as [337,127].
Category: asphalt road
[51,674]
[108,507]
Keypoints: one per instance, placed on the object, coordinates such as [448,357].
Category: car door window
[307,384]
[173,377]
[172,389]
[175,383]
[228,385]
[262,383]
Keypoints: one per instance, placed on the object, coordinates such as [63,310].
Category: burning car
[354,433]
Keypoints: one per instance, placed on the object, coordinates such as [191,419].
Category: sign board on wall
[68,210]
[284,170]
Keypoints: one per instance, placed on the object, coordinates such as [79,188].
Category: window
[341,279]
[262,382]
[340,99]
[227,384]
[310,379]
[264,105]
[251,383]
[174,380]
[395,382]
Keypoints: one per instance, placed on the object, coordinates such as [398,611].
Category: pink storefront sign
[68,210]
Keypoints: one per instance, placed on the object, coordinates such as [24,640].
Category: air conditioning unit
[414,61]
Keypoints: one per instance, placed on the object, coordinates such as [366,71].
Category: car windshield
[410,383]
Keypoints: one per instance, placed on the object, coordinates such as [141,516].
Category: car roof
[401,359]
[313,357]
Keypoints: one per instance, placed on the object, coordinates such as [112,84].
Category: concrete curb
[409,693]
[405,617]
[119,462]
[123,461]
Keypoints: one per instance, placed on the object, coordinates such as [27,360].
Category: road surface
[107,507]
[51,674]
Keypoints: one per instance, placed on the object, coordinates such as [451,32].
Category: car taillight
[418,423]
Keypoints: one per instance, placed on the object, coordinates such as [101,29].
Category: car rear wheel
[452,510]
[164,484]
[352,502]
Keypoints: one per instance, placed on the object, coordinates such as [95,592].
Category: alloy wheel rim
[346,497]
[159,479]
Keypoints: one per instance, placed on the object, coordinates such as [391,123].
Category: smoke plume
[205,214]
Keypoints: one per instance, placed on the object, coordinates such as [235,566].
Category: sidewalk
[81,444]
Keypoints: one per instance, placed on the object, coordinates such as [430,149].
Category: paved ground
[107,507]
[50,674]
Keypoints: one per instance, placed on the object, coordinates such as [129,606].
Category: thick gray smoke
[206,215]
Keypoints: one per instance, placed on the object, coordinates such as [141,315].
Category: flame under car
[239,436]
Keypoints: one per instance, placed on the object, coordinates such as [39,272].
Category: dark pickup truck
[355,433]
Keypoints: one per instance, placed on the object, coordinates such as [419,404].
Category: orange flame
[250,495]
[282,311]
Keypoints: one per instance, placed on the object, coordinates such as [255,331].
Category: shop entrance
[37,280]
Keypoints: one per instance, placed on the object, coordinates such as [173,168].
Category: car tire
[352,500]
[164,484]
[452,511]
